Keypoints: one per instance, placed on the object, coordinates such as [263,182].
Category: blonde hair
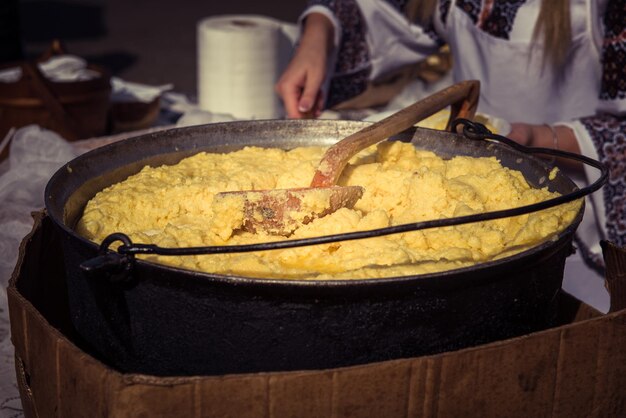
[421,11]
[553,26]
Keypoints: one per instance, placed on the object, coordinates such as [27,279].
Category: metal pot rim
[336,129]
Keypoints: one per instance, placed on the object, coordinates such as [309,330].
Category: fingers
[309,98]
[299,85]
[319,105]
[289,91]
[302,97]
[300,91]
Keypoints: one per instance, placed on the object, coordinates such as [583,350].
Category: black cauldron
[163,320]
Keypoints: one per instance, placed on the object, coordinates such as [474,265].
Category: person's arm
[346,65]
[568,136]
[314,65]
[299,86]
[560,137]
[601,136]
[545,136]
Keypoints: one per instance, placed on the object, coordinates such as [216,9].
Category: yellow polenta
[171,206]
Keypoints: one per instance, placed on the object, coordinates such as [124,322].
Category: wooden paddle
[281,211]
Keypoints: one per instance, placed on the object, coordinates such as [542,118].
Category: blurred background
[147,41]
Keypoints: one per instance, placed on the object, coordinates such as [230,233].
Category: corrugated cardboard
[575,370]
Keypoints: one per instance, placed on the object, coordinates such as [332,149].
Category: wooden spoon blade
[282,211]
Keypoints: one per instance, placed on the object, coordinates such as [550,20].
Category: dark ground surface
[148,41]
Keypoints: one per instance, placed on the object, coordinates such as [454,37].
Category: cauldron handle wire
[471,130]
[478,131]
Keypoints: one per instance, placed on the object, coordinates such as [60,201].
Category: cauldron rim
[471,274]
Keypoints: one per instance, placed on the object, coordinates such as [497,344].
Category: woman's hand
[546,136]
[300,84]
[523,133]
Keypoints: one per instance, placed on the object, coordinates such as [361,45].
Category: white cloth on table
[35,154]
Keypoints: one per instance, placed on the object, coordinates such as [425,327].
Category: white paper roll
[240,58]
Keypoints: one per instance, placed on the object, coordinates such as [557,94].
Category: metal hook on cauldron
[116,266]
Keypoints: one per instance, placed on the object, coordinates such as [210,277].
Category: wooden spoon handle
[462,97]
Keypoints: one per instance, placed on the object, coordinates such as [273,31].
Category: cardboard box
[577,369]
